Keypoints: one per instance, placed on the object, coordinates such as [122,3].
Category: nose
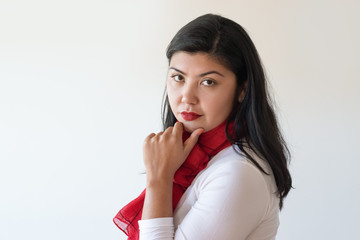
[189,94]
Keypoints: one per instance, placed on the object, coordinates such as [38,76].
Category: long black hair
[255,124]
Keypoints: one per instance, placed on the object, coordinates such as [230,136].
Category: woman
[219,168]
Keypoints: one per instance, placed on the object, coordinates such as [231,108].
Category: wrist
[159,182]
[158,199]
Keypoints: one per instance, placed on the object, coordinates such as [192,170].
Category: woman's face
[201,91]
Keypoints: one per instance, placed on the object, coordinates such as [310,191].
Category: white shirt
[230,199]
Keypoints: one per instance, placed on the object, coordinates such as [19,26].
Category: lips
[189,116]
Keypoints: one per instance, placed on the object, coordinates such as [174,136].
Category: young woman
[219,168]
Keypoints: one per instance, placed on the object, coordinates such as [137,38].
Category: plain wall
[81,85]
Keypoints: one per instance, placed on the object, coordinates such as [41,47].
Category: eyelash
[209,80]
[177,75]
[182,78]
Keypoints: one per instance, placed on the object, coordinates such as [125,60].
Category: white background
[81,85]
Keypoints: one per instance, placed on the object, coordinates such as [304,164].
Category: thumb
[191,141]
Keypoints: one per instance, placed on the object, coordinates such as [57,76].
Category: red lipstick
[189,116]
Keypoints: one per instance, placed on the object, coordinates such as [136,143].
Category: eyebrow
[201,75]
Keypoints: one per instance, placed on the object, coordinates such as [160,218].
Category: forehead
[196,62]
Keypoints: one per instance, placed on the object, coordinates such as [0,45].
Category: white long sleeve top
[230,199]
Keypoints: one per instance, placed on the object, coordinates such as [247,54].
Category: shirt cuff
[156,228]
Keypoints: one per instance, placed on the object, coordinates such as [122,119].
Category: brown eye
[208,82]
[177,78]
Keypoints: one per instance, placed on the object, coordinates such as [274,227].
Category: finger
[150,136]
[168,131]
[191,141]
[178,128]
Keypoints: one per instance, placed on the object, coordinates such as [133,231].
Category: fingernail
[201,131]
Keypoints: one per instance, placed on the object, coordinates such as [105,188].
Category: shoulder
[232,162]
[232,173]
[232,189]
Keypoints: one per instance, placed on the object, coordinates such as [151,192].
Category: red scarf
[208,145]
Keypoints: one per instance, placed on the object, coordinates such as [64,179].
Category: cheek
[172,98]
[221,106]
[172,92]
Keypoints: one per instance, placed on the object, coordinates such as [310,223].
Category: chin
[189,129]
[191,126]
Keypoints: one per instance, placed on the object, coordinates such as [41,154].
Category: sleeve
[231,202]
[156,228]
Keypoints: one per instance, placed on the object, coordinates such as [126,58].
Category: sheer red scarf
[208,145]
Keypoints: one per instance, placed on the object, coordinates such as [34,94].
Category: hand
[165,152]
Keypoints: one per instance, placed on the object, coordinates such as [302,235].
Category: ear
[242,91]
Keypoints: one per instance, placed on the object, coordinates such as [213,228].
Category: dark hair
[255,124]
